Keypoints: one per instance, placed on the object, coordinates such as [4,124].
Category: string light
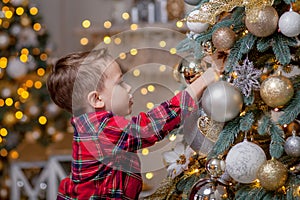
[84,41]
[9,101]
[145,151]
[38,84]
[20,11]
[107,40]
[3,152]
[3,62]
[162,43]
[162,68]
[133,52]
[134,27]
[144,91]
[122,56]
[33,10]
[179,24]
[125,16]
[107,24]
[136,72]
[86,23]
[14,154]
[3,132]
[37,27]
[149,105]
[42,120]
[173,51]
[151,88]
[41,72]
[149,175]
[117,41]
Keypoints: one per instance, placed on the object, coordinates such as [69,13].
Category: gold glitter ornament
[211,10]
[276,91]
[210,128]
[264,23]
[272,174]
[223,38]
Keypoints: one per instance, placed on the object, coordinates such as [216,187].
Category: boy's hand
[197,87]
[210,76]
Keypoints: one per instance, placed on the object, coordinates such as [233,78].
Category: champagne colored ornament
[289,24]
[223,38]
[276,91]
[221,101]
[243,161]
[272,174]
[194,24]
[292,145]
[210,128]
[264,23]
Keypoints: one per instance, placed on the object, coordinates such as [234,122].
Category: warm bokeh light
[125,15]
[84,41]
[2,102]
[86,23]
[3,132]
[162,68]
[162,43]
[20,11]
[43,56]
[8,14]
[9,101]
[107,24]
[151,88]
[3,62]
[107,40]
[37,26]
[23,58]
[133,52]
[136,72]
[150,105]
[42,120]
[41,72]
[144,91]
[179,24]
[25,94]
[14,154]
[134,27]
[29,83]
[173,51]
[3,152]
[19,115]
[33,10]
[38,84]
[145,151]
[149,175]
[122,55]
[117,41]
[172,137]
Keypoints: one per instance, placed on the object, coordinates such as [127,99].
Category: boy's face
[116,94]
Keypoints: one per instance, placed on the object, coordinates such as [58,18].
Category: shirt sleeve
[149,127]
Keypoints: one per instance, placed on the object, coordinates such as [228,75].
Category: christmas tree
[27,113]
[244,142]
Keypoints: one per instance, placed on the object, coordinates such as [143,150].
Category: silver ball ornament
[289,24]
[222,101]
[292,146]
[194,24]
[215,167]
[264,24]
[192,2]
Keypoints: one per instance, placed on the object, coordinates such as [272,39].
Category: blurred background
[35,135]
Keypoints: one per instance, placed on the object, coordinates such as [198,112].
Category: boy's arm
[147,128]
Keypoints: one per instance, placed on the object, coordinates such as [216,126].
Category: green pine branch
[277,141]
[291,111]
[241,47]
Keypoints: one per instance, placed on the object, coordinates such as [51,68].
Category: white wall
[63,17]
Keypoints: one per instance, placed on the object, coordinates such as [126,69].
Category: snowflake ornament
[178,159]
[247,77]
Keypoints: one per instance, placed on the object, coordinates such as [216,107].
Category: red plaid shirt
[105,164]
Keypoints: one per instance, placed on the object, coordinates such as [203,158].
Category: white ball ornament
[243,161]
[289,24]
[194,24]
[16,68]
[222,101]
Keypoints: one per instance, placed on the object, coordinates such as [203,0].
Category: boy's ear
[95,100]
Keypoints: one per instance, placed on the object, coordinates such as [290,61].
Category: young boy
[105,164]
